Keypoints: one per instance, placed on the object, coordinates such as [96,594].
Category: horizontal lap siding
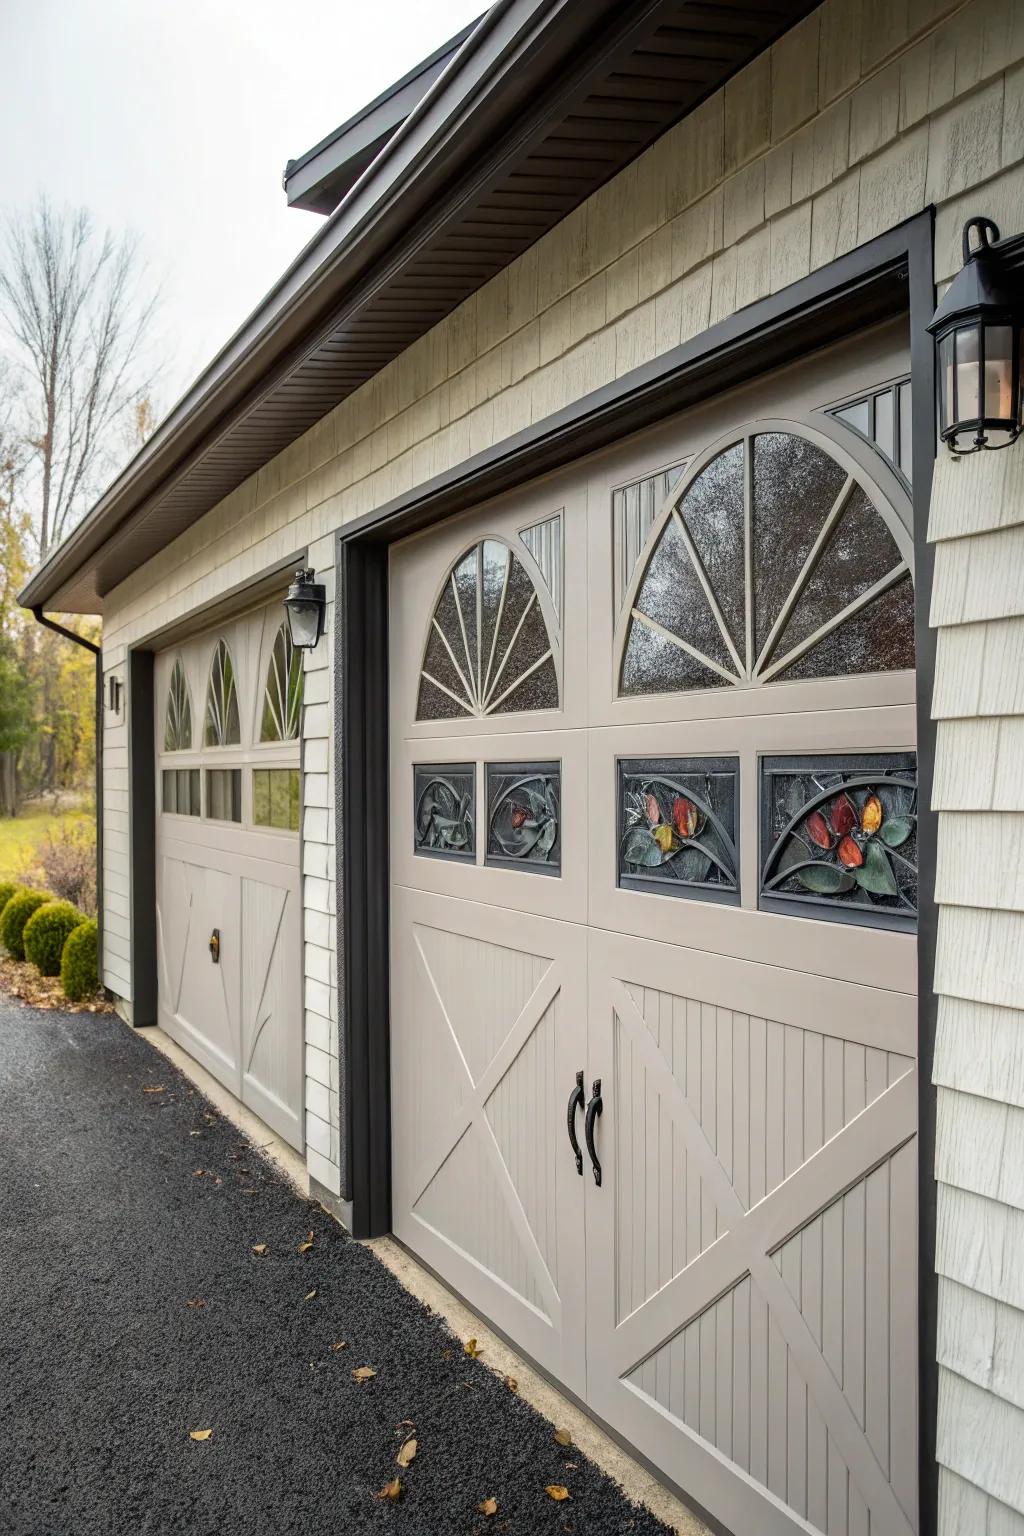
[857,119]
[977,524]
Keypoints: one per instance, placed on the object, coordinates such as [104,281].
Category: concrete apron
[636,1482]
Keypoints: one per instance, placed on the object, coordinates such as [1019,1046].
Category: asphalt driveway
[135,1309]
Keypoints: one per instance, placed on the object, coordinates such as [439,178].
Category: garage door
[654,890]
[228,881]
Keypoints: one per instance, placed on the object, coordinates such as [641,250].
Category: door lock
[215,946]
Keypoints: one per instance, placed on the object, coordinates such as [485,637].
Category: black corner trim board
[888,276]
[142,835]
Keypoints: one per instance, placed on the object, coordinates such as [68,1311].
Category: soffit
[578,106]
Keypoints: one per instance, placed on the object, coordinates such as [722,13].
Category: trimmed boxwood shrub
[46,933]
[79,974]
[7,890]
[14,917]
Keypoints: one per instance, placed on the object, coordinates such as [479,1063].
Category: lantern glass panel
[999,373]
[967,405]
[946,380]
[304,622]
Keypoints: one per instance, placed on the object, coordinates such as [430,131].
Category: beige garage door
[228,880]
[654,897]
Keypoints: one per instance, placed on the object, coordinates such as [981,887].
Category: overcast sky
[175,118]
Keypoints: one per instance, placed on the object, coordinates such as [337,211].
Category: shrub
[7,890]
[79,974]
[46,933]
[15,915]
[67,862]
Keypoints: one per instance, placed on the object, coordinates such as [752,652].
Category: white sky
[175,118]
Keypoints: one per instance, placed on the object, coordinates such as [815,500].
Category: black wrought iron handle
[577,1099]
[594,1108]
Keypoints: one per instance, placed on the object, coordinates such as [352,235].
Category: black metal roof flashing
[544,101]
[318,179]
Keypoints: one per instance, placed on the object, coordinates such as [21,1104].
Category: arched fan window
[282,697]
[178,719]
[489,650]
[768,563]
[221,728]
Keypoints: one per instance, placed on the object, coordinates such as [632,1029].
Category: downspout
[87,645]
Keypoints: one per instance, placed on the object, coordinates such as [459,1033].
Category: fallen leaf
[159,1089]
[259,1247]
[310,1294]
[339,1344]
[195,1133]
[197,1301]
[488,1506]
[392,1490]
[200,1434]
[406,1453]
[197,1173]
[557,1491]
[563,1437]
[405,1424]
[305,1247]
[511,1383]
[363,1372]
[447,1354]
[472,1348]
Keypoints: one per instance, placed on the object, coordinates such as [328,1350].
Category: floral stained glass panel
[839,837]
[524,810]
[679,825]
[444,810]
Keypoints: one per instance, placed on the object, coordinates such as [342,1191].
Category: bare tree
[77,325]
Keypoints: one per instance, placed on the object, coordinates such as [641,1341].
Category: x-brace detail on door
[471,1111]
[750,1238]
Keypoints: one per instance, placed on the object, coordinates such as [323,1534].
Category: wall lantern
[304,604]
[977,330]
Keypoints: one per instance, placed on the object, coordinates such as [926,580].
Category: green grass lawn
[21,835]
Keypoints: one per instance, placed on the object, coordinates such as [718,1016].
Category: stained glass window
[524,809]
[221,729]
[178,719]
[488,650]
[772,563]
[444,810]
[839,837]
[678,826]
[282,697]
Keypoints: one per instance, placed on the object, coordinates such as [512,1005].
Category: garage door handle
[594,1108]
[577,1099]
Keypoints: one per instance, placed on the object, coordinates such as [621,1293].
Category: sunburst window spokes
[178,717]
[489,648]
[770,562]
[221,728]
[282,696]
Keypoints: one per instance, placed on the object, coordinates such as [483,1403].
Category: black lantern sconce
[305,603]
[977,330]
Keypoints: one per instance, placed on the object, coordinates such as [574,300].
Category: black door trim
[888,276]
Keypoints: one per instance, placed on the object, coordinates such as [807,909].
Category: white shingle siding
[857,119]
